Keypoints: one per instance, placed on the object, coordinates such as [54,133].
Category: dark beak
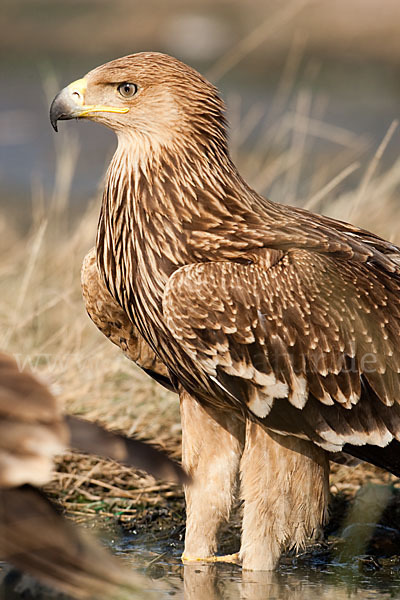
[57,111]
[67,104]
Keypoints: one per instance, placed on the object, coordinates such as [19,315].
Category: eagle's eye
[127,90]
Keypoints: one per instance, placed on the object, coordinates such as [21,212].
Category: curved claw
[226,558]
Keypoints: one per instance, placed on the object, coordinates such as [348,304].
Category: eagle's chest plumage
[150,227]
[136,255]
[136,288]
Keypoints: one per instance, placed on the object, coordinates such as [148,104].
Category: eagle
[34,536]
[277,327]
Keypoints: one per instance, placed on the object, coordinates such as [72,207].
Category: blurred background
[314,85]
[313,96]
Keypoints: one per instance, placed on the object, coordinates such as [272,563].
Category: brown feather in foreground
[262,313]
[33,534]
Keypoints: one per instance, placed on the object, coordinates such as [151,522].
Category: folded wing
[305,341]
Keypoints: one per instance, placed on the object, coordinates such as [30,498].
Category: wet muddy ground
[356,558]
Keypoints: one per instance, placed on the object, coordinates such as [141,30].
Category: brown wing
[114,323]
[32,431]
[33,535]
[93,439]
[307,342]
[31,427]
[36,538]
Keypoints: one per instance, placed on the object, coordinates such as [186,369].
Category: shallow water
[302,577]
[312,575]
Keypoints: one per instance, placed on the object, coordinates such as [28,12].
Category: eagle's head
[150,96]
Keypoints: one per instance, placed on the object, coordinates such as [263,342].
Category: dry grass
[44,324]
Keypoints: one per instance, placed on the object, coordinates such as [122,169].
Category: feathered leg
[211,451]
[285,491]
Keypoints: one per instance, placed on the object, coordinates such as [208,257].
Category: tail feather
[387,458]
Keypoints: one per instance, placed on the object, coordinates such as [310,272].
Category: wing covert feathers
[297,325]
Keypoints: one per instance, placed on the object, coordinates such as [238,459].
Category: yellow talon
[227,558]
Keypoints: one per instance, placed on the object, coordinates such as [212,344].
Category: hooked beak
[70,104]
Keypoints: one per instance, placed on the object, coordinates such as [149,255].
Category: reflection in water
[216,582]
[202,581]
[315,575]
[213,583]
[228,582]
[261,584]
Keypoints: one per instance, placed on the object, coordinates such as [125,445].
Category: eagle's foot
[227,558]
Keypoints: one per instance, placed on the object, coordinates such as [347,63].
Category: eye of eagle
[127,90]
